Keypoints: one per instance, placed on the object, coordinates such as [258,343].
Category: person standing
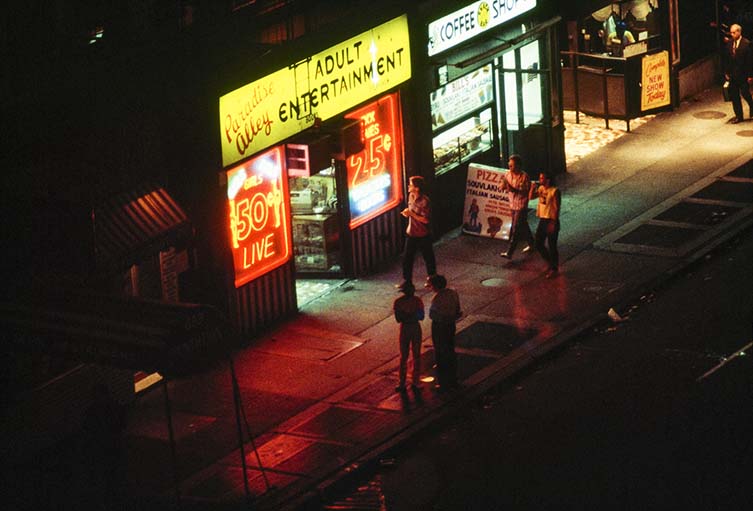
[444,311]
[738,71]
[418,231]
[409,311]
[518,185]
[547,232]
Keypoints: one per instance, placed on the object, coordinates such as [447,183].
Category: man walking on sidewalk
[418,231]
[547,232]
[738,71]
[518,184]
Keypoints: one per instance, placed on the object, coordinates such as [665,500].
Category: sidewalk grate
[743,171]
[733,191]
[697,213]
[659,236]
[376,392]
[497,337]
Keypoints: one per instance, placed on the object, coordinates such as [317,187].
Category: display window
[374,173]
[259,216]
[461,118]
[464,140]
[316,222]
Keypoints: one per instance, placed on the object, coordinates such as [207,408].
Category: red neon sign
[374,173]
[257,193]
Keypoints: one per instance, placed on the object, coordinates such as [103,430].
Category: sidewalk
[318,391]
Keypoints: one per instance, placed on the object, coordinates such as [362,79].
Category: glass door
[524,109]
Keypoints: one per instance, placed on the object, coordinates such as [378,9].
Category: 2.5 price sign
[374,173]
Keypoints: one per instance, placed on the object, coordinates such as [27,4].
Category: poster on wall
[461,96]
[259,216]
[487,205]
[655,80]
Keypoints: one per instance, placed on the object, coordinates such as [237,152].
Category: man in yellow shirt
[547,232]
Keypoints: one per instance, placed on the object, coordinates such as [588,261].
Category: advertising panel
[374,173]
[487,205]
[472,20]
[286,102]
[655,80]
[259,215]
[461,96]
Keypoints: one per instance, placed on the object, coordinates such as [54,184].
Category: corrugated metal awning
[137,224]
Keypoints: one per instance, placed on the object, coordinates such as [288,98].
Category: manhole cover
[745,133]
[495,282]
[709,114]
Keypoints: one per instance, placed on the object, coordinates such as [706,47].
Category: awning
[137,224]
[132,333]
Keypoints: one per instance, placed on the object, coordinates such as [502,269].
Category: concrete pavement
[318,391]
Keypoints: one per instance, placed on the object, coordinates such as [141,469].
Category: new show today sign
[655,81]
[267,111]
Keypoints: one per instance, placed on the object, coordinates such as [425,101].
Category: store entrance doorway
[524,111]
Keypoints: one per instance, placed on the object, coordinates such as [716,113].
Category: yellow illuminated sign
[269,110]
[655,91]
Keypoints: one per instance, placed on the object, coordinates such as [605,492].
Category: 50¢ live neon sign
[259,216]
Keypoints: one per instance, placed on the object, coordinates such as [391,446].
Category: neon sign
[374,173]
[257,194]
[288,101]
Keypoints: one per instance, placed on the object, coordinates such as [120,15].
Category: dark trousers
[423,245]
[443,340]
[519,229]
[547,233]
[739,88]
[410,342]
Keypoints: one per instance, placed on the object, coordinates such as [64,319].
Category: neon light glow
[269,110]
[374,173]
[257,194]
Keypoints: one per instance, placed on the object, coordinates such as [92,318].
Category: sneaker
[506,255]
[527,248]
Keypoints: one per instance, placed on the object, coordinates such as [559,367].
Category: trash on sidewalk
[614,316]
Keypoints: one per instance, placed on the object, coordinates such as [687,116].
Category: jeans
[413,245]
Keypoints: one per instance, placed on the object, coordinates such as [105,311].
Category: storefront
[492,90]
[604,67]
[313,171]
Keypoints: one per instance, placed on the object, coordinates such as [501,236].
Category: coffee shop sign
[472,20]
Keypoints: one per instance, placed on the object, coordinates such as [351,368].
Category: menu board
[461,96]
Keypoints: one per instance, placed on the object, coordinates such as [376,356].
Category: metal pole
[605,89]
[236,399]
[173,453]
